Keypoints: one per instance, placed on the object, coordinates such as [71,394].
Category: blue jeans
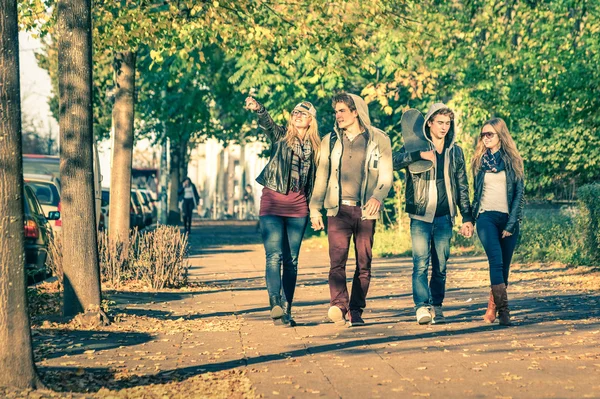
[282,237]
[499,250]
[430,242]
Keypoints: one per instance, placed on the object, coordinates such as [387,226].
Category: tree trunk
[123,115]
[175,181]
[80,248]
[184,159]
[17,368]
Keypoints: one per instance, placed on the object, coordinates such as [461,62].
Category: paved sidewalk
[553,351]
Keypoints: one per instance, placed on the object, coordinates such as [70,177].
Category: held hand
[251,104]
[506,234]
[428,155]
[316,223]
[467,229]
[372,206]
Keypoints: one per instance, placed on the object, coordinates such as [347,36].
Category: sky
[35,86]
[36,89]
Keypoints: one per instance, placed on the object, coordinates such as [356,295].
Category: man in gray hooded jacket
[354,176]
[431,200]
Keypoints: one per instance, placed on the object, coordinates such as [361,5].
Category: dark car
[136,205]
[136,217]
[37,235]
[146,206]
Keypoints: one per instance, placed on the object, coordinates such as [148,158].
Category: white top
[494,196]
[188,192]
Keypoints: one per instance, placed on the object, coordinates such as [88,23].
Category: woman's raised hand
[251,104]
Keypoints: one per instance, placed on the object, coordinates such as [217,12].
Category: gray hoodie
[378,173]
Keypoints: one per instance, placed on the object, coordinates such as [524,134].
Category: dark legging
[499,250]
[188,210]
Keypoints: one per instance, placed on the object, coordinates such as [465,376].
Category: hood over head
[432,110]
[363,112]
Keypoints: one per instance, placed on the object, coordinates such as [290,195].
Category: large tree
[80,247]
[17,368]
[123,117]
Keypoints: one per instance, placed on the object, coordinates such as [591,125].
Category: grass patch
[547,235]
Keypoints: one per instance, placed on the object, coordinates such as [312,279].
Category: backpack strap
[332,140]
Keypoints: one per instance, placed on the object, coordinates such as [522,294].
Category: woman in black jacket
[189,198]
[498,208]
[288,180]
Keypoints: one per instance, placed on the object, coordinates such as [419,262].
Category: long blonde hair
[508,148]
[313,134]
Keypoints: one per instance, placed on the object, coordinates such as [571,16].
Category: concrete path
[222,324]
[552,351]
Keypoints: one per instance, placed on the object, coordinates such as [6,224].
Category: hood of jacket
[363,114]
[450,137]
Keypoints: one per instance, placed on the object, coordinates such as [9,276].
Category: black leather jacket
[516,199]
[417,185]
[277,173]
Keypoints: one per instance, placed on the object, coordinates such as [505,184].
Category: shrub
[115,258]
[160,258]
[548,235]
[588,222]
[54,258]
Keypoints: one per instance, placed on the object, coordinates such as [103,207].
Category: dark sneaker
[336,315]
[355,319]
[438,315]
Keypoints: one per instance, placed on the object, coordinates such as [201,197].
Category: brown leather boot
[501,300]
[490,313]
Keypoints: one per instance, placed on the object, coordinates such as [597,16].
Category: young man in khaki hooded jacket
[354,176]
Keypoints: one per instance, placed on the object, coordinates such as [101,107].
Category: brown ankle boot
[490,314]
[501,300]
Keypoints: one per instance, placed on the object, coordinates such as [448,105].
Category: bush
[54,258]
[157,258]
[115,258]
[588,222]
[160,258]
[548,235]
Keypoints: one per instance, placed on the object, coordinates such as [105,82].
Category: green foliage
[588,221]
[535,64]
[548,235]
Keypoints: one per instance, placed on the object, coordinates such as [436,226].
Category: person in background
[287,182]
[498,208]
[248,199]
[188,195]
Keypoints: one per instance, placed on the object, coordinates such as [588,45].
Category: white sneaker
[336,315]
[438,315]
[423,315]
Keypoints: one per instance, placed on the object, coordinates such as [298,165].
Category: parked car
[150,201]
[136,216]
[103,225]
[146,206]
[37,235]
[47,192]
[50,165]
[143,210]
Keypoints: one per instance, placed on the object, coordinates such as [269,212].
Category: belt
[350,203]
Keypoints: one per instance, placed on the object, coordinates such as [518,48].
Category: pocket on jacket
[374,162]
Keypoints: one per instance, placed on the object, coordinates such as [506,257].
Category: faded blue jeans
[282,237]
[430,242]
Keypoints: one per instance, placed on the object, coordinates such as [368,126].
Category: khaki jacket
[378,172]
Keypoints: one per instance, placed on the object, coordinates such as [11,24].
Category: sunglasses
[487,135]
